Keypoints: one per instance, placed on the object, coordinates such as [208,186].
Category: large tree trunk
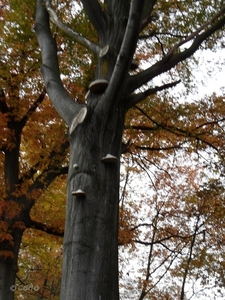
[91,234]
[8,265]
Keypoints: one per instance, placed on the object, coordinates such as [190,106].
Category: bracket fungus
[86,95]
[109,158]
[98,86]
[75,166]
[78,119]
[104,51]
[79,193]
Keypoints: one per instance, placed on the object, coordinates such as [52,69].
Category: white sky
[209,74]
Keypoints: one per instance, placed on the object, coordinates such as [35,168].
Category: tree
[31,156]
[123,30]
[177,230]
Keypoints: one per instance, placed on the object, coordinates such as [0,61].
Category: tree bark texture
[90,259]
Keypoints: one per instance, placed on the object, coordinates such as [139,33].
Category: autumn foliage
[172,223]
[33,139]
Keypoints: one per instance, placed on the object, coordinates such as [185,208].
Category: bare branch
[157,33]
[172,59]
[196,33]
[147,18]
[127,49]
[134,99]
[158,148]
[45,228]
[43,181]
[32,109]
[63,103]
[190,256]
[79,38]
[96,15]
[182,132]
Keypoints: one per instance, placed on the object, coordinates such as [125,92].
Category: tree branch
[196,33]
[43,181]
[32,109]
[136,98]
[127,49]
[45,228]
[96,16]
[3,106]
[79,38]
[158,148]
[157,33]
[199,137]
[187,267]
[63,103]
[171,60]
[146,13]
[52,157]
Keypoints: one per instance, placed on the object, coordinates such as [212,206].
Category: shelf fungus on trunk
[79,193]
[78,119]
[109,158]
[98,86]
[104,51]
[75,166]
[87,95]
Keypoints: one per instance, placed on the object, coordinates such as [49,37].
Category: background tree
[33,139]
[171,246]
[40,255]
[163,33]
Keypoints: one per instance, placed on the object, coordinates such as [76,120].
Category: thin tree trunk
[187,268]
[8,266]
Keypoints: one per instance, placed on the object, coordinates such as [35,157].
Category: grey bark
[90,261]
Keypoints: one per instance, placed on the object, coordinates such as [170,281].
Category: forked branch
[136,98]
[96,15]
[45,228]
[173,57]
[196,33]
[63,103]
[78,37]
[128,46]
[33,108]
